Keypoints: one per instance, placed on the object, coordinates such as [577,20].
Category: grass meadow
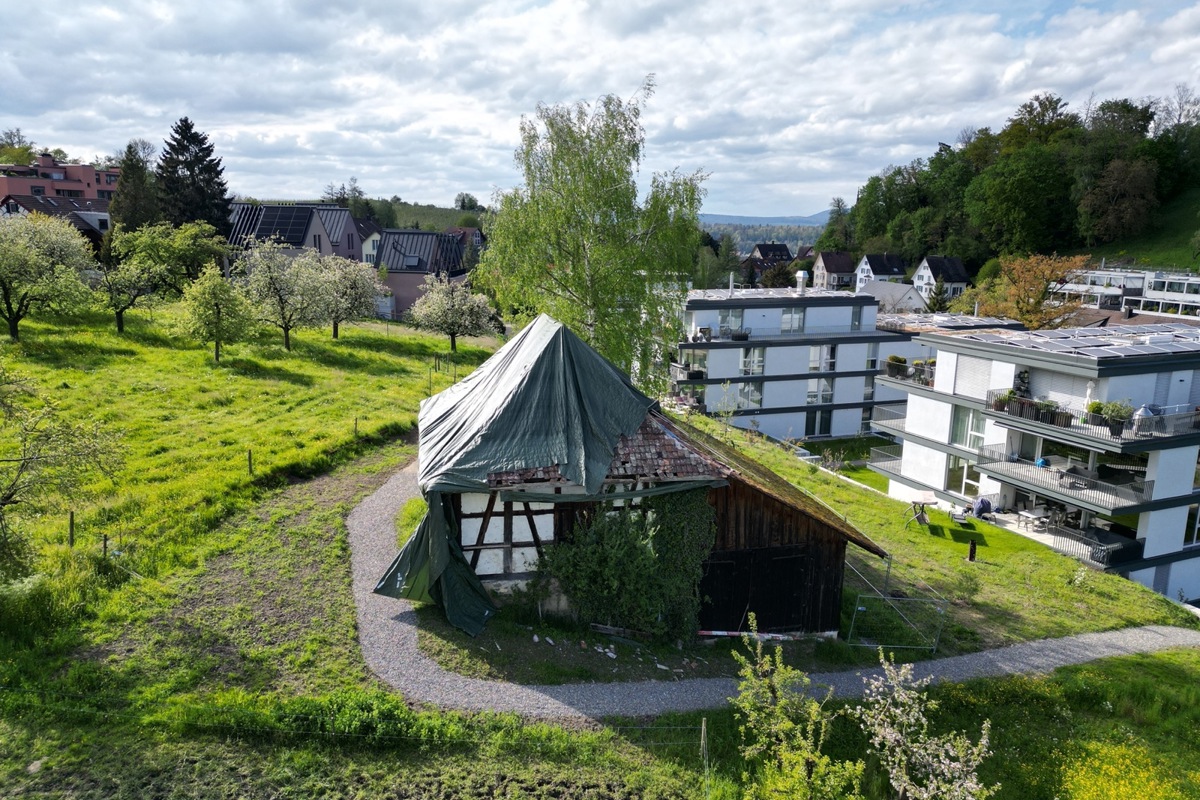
[213,653]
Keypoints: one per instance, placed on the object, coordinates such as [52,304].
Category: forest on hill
[1052,179]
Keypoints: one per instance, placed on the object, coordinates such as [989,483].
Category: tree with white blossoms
[451,309]
[920,766]
[286,290]
[42,263]
[350,290]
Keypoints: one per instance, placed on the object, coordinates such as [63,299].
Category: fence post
[356,427]
[250,460]
[104,547]
[71,529]
[704,755]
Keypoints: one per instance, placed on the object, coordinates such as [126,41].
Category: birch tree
[577,242]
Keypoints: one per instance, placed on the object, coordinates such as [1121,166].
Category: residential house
[834,270]
[296,226]
[882,267]
[46,177]
[410,255]
[792,363]
[1015,417]
[948,269]
[517,454]
[1168,293]
[369,234]
[89,217]
[772,253]
[894,297]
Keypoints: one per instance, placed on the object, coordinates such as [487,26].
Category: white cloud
[784,108]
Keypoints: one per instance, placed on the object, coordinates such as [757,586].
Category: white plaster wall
[947,367]
[845,421]
[785,360]
[827,317]
[1003,374]
[924,464]
[852,356]
[784,394]
[725,364]
[1184,577]
[1162,530]
[1172,471]
[777,426]
[1136,389]
[764,320]
[1181,387]
[928,418]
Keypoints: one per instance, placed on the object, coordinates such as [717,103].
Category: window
[820,390]
[792,321]
[37,191]
[856,318]
[1189,532]
[104,194]
[731,318]
[865,425]
[369,258]
[102,224]
[966,429]
[873,355]
[962,477]
[869,388]
[317,241]
[68,192]
[374,245]
[749,394]
[817,423]
[822,358]
[752,360]
[350,240]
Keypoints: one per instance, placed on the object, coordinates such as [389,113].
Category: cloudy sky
[784,104]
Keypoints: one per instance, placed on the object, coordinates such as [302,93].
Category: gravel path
[388,635]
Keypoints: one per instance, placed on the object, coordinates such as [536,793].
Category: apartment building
[1089,434]
[47,177]
[797,363]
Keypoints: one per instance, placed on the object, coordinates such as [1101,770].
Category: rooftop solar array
[287,222]
[1101,344]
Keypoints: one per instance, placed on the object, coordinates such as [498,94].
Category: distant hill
[732,219]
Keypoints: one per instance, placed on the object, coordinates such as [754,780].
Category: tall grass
[202,441]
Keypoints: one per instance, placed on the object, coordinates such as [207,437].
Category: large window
[869,388]
[749,394]
[817,423]
[752,360]
[1189,533]
[962,477]
[966,429]
[856,318]
[792,321]
[822,358]
[820,390]
[873,355]
[731,318]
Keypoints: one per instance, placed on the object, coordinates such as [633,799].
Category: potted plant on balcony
[1000,401]
[1095,413]
[1046,409]
[740,334]
[919,371]
[1117,414]
[896,366]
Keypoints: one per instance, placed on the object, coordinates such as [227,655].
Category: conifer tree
[939,298]
[191,182]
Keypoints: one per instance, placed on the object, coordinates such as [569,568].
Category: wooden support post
[70,529]
[104,546]
[356,427]
[250,460]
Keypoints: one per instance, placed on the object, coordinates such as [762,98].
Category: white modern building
[1104,288]
[1011,416]
[797,363]
[948,269]
[1168,293]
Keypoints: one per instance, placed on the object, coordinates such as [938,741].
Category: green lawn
[228,665]
[1168,241]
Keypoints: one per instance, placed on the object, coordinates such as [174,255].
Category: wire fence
[891,611]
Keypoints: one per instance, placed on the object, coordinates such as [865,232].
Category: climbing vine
[638,568]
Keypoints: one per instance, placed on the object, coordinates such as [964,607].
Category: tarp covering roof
[543,399]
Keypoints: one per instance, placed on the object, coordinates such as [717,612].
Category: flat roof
[1099,344]
[925,322]
[771,294]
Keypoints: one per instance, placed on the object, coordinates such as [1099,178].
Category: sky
[782,105]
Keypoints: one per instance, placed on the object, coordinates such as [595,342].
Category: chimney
[801,281]
[731,284]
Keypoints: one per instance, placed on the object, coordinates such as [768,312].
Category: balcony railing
[765,334]
[686,372]
[1100,548]
[889,418]
[921,374]
[1067,480]
[1169,422]
[886,459]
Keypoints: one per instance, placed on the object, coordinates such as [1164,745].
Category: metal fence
[894,618]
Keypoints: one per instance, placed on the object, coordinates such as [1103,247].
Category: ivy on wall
[640,567]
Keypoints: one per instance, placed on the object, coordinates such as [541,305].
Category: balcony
[686,372]
[759,334]
[886,460]
[1095,545]
[1121,488]
[1069,422]
[921,374]
[889,419]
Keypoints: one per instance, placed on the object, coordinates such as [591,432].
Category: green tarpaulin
[544,399]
